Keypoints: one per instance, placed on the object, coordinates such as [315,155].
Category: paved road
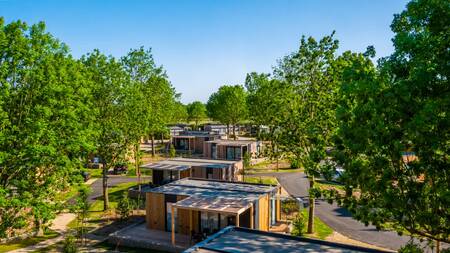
[97,186]
[338,218]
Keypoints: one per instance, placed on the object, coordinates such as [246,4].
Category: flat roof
[191,134]
[245,240]
[210,189]
[163,166]
[180,163]
[232,142]
[214,204]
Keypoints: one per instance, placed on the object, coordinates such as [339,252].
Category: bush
[172,151]
[70,244]
[298,225]
[289,206]
[295,163]
[124,206]
[411,248]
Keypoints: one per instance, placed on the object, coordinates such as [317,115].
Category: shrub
[124,206]
[70,244]
[172,151]
[410,247]
[295,163]
[298,225]
[289,206]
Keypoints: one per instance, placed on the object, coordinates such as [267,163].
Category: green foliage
[70,244]
[124,206]
[45,123]
[196,112]
[295,163]
[410,248]
[400,107]
[228,105]
[298,225]
[172,151]
[289,206]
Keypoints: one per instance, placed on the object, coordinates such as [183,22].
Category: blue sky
[206,44]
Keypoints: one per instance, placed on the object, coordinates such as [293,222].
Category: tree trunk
[105,188]
[138,172]
[234,131]
[311,208]
[438,246]
[162,139]
[228,130]
[39,229]
[153,146]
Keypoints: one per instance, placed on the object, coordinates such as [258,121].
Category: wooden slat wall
[263,207]
[207,150]
[155,211]
[221,152]
[183,219]
[196,172]
[185,173]
[217,174]
[278,206]
[195,221]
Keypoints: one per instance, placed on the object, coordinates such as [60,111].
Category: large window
[209,222]
[234,153]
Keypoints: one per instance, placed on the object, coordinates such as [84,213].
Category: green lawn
[96,209]
[321,230]
[326,185]
[27,242]
[260,180]
[269,166]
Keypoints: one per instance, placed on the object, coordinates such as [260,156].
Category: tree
[228,105]
[108,95]
[307,127]
[82,210]
[403,107]
[45,124]
[124,206]
[196,112]
[268,100]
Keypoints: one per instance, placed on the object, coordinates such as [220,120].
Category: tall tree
[307,128]
[196,111]
[268,99]
[108,95]
[228,105]
[401,108]
[45,123]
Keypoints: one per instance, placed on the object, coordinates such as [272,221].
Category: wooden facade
[188,220]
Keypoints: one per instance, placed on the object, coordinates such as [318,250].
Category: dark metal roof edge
[203,244]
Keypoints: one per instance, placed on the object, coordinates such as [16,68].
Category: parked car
[120,168]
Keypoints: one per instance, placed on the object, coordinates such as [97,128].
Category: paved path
[338,218]
[59,225]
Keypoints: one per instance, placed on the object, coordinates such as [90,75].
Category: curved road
[338,218]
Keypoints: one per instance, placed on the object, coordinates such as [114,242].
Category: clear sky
[206,44]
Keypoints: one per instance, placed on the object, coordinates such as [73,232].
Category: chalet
[190,207]
[231,149]
[192,141]
[177,168]
[244,240]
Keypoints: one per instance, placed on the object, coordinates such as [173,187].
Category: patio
[138,236]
